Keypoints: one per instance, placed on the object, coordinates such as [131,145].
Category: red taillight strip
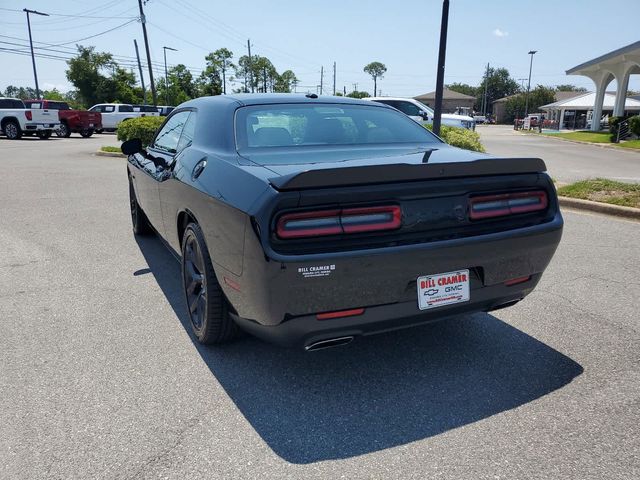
[516,281]
[334,222]
[507,204]
[339,314]
[27,113]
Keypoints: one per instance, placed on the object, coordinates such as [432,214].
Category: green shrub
[143,128]
[613,127]
[460,137]
[634,125]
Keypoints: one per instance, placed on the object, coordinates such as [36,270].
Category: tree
[567,87]
[463,88]
[500,85]
[286,82]
[357,94]
[376,70]
[87,72]
[181,85]
[23,93]
[537,97]
[213,80]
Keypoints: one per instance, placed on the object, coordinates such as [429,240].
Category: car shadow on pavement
[378,392]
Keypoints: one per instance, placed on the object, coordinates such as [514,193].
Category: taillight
[507,204]
[337,221]
[27,113]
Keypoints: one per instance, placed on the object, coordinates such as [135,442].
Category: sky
[305,36]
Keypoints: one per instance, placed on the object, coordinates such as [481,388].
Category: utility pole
[526,103]
[321,78]
[144,90]
[437,117]
[250,65]
[33,58]
[166,81]
[334,79]
[486,88]
[143,20]
[344,90]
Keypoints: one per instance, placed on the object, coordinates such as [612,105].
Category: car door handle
[197,170]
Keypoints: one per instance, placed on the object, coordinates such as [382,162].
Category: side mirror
[424,115]
[131,147]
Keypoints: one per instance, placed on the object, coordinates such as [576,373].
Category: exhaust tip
[331,342]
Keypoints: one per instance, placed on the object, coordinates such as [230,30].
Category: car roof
[390,98]
[246,99]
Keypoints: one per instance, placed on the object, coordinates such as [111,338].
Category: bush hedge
[634,125]
[460,137]
[143,128]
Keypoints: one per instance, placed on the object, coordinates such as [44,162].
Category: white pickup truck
[421,113]
[114,113]
[16,120]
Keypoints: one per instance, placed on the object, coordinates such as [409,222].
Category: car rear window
[58,106]
[264,126]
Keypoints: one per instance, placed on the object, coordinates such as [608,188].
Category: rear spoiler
[404,172]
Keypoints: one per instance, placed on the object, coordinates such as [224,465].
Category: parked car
[147,110]
[421,113]
[71,121]
[165,110]
[17,120]
[114,113]
[309,220]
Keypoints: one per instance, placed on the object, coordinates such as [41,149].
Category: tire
[44,134]
[12,130]
[64,131]
[99,130]
[86,132]
[139,220]
[207,306]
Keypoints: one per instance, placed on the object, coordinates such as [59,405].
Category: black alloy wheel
[206,303]
[139,221]
[86,132]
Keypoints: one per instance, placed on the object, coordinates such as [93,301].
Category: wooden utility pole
[250,65]
[144,90]
[486,90]
[334,78]
[321,78]
[143,20]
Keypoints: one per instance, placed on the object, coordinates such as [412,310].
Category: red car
[78,121]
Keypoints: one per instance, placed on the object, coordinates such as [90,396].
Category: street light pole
[526,104]
[33,58]
[166,81]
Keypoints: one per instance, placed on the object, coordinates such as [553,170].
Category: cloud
[500,33]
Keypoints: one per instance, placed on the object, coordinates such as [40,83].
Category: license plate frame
[441,289]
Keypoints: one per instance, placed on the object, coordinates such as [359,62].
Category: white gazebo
[584,103]
[619,64]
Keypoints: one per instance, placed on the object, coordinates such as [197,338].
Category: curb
[606,208]
[100,153]
[600,145]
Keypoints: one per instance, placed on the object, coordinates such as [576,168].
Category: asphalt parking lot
[100,378]
[567,161]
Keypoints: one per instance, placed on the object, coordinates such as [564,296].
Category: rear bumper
[274,299]
[34,127]
[306,330]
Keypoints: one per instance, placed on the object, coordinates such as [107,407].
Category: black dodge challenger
[310,220]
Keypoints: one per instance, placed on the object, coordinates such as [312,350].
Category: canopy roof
[629,53]
[587,100]
[446,95]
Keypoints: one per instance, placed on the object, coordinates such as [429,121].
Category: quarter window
[186,139]
[168,137]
